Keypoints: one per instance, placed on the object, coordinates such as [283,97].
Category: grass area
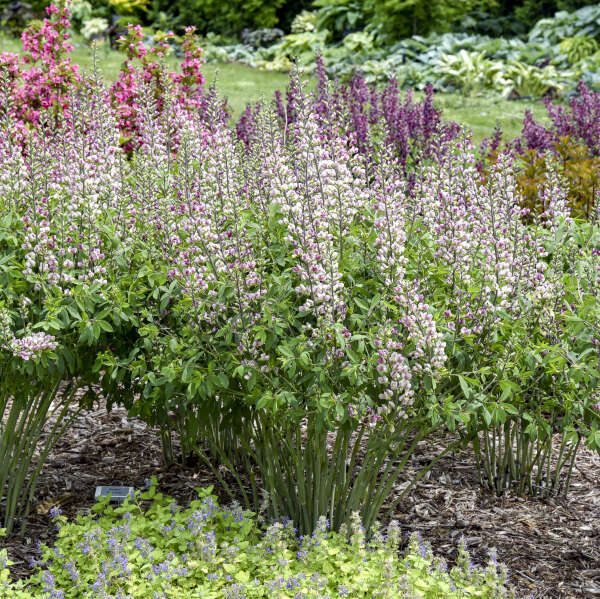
[481,114]
[241,84]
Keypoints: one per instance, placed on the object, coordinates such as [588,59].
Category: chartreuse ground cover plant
[152,547]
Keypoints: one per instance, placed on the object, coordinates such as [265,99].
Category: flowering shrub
[262,245]
[303,287]
[580,121]
[318,293]
[414,132]
[165,550]
[304,304]
[527,384]
[40,81]
[56,282]
[145,69]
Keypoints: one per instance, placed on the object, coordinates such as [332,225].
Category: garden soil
[551,547]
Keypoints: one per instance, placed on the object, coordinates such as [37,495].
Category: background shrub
[412,17]
[229,18]
[567,146]
[530,11]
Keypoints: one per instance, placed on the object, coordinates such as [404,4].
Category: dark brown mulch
[551,547]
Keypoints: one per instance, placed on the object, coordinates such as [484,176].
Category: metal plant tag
[117,494]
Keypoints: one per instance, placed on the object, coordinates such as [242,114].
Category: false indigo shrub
[58,301]
[207,550]
[555,162]
[292,309]
[326,312]
[517,314]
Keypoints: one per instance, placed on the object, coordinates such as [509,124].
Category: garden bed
[551,547]
[323,296]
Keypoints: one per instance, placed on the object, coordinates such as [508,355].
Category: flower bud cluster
[32,345]
[319,185]
[492,260]
[71,182]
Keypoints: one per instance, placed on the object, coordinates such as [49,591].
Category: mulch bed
[551,547]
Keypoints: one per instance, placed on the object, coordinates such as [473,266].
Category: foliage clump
[205,550]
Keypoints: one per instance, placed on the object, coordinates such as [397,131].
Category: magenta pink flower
[41,81]
[144,69]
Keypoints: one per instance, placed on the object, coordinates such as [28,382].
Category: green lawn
[241,84]
[481,114]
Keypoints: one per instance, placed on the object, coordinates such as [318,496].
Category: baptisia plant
[316,320]
[306,304]
[60,239]
[519,308]
[64,239]
[285,322]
